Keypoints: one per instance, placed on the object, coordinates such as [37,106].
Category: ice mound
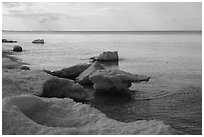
[61,88]
[70,72]
[83,78]
[106,56]
[28,114]
[114,81]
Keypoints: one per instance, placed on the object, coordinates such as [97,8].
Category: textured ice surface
[28,114]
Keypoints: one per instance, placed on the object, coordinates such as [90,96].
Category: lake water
[172,59]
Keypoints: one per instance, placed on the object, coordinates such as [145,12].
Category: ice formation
[28,114]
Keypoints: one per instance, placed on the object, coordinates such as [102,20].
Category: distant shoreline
[104,32]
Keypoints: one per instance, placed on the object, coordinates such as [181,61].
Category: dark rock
[62,88]
[8,41]
[70,72]
[25,68]
[38,41]
[17,48]
[107,56]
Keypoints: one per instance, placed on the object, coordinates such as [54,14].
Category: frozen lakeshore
[173,94]
[25,113]
[102,68]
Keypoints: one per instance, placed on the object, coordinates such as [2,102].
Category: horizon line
[103,30]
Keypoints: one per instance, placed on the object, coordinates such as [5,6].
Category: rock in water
[17,48]
[31,115]
[70,72]
[83,78]
[8,41]
[130,77]
[107,56]
[25,68]
[114,81]
[38,41]
[61,88]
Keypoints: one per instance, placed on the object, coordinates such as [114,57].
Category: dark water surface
[181,110]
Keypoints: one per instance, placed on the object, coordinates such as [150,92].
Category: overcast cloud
[102,16]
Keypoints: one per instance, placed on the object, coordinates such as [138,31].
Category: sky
[104,16]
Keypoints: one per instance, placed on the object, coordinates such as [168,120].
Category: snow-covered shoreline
[25,113]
